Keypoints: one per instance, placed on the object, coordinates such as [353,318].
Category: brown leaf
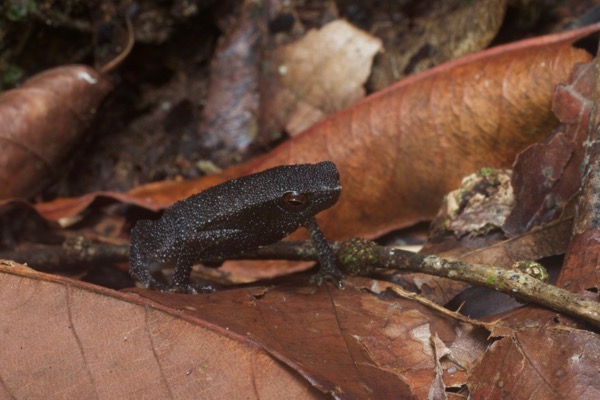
[87,342]
[338,339]
[441,31]
[92,341]
[153,196]
[546,175]
[317,75]
[538,358]
[581,269]
[400,150]
[42,121]
[230,120]
[549,240]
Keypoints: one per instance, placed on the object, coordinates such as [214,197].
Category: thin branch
[524,282]
[362,257]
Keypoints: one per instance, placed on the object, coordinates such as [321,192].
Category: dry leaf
[400,150]
[76,340]
[546,175]
[348,343]
[41,122]
[82,340]
[317,75]
[534,357]
[443,30]
[581,270]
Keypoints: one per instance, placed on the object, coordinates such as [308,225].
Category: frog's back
[254,194]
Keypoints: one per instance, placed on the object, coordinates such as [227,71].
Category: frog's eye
[295,201]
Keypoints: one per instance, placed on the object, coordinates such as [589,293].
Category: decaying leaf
[440,31]
[537,358]
[88,342]
[478,207]
[348,343]
[230,123]
[317,75]
[547,174]
[42,121]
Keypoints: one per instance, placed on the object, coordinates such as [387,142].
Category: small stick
[362,257]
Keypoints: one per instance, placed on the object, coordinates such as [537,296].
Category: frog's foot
[334,276]
[192,288]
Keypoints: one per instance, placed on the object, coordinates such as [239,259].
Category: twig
[74,252]
[115,62]
[362,257]
[435,306]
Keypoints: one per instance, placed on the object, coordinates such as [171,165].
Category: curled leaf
[42,121]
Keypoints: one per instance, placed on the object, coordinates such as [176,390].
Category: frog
[235,216]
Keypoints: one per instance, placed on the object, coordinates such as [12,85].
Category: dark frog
[236,216]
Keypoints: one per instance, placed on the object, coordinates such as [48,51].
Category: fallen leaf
[230,116]
[545,241]
[476,209]
[547,174]
[537,358]
[400,150]
[581,270]
[41,123]
[439,32]
[83,341]
[317,75]
[90,341]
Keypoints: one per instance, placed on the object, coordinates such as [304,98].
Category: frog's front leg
[329,270]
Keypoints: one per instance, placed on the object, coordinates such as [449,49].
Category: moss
[486,171]
[532,268]
[19,10]
[358,256]
[11,75]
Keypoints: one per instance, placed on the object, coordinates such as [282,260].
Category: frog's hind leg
[181,278]
[138,263]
